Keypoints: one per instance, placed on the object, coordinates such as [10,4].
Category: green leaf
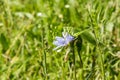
[79,43]
[4,42]
[89,36]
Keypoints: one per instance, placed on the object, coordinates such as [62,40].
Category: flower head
[63,41]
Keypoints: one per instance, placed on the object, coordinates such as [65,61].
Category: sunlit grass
[29,27]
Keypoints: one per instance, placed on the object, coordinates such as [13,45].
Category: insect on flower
[63,41]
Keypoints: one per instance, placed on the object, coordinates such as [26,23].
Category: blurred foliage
[28,28]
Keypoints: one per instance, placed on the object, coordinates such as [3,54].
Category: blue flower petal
[60,39]
[69,38]
[57,43]
[63,41]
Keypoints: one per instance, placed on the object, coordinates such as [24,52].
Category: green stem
[44,55]
[78,44]
[45,68]
[102,67]
[74,65]
[81,63]
[102,64]
[72,50]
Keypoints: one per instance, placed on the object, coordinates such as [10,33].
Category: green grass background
[29,27]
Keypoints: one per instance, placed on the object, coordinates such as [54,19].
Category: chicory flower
[63,41]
